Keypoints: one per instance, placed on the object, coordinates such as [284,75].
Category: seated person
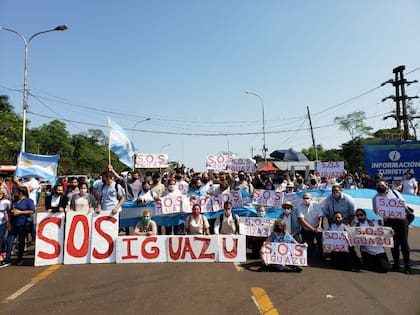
[146,227]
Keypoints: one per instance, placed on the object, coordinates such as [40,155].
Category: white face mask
[171,188]
[337,195]
[287,211]
[307,201]
[83,191]
[261,214]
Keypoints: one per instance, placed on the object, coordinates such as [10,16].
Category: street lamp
[263,121]
[134,126]
[25,70]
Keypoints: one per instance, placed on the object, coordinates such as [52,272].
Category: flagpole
[109,141]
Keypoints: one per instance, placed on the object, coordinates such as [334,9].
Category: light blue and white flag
[34,165]
[120,144]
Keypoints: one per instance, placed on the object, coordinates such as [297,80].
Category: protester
[146,195]
[57,201]
[171,189]
[291,220]
[400,227]
[4,186]
[280,235]
[299,184]
[22,207]
[157,187]
[111,195]
[409,184]
[227,222]
[339,202]
[82,201]
[243,184]
[196,223]
[5,207]
[310,217]
[348,182]
[146,227]
[182,186]
[374,258]
[197,188]
[343,260]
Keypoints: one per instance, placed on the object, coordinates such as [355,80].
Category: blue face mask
[261,214]
[349,181]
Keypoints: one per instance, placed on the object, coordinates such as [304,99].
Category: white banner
[244,165]
[330,169]
[141,249]
[170,204]
[285,254]
[235,197]
[255,226]
[151,160]
[77,236]
[335,241]
[104,232]
[376,236]
[49,243]
[391,207]
[219,162]
[264,197]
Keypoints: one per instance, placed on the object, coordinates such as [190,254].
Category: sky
[186,65]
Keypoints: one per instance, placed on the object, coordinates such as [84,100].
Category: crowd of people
[301,221]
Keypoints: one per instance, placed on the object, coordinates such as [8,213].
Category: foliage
[10,132]
[354,124]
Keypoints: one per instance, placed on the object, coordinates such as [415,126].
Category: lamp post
[263,121]
[25,70]
[137,122]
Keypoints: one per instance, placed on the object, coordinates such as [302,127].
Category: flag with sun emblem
[35,165]
[120,144]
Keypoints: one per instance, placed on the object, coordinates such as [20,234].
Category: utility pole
[400,99]
[312,134]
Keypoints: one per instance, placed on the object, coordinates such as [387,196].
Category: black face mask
[299,181]
[361,220]
[205,180]
[279,229]
[313,181]
[381,189]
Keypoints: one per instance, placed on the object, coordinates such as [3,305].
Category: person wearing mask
[400,227]
[146,195]
[313,182]
[82,201]
[171,189]
[243,184]
[227,222]
[291,220]
[22,207]
[73,189]
[300,185]
[5,207]
[196,223]
[157,187]
[348,182]
[339,202]
[373,258]
[197,188]
[146,227]
[310,217]
[111,195]
[343,260]
[280,235]
[409,184]
[56,201]
[181,184]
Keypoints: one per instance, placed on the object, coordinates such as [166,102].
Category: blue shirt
[24,205]
[345,205]
[285,238]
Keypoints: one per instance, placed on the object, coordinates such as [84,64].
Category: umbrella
[268,167]
[288,155]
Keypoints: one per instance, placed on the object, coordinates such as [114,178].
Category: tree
[10,132]
[353,152]
[354,124]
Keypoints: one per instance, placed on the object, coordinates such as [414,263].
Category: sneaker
[4,264]
[395,268]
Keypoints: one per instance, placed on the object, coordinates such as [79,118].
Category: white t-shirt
[4,205]
[409,185]
[35,185]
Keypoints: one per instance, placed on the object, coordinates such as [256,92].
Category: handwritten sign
[152,160]
[219,162]
[235,197]
[170,204]
[255,226]
[244,165]
[391,207]
[330,169]
[335,241]
[376,236]
[49,244]
[285,254]
[267,197]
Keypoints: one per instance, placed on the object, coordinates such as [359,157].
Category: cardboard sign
[219,162]
[335,241]
[204,202]
[141,249]
[235,197]
[285,254]
[151,160]
[264,197]
[376,236]
[255,226]
[244,165]
[49,243]
[104,233]
[391,207]
[77,236]
[330,169]
[169,204]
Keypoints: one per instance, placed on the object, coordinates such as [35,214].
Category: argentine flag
[34,165]
[120,144]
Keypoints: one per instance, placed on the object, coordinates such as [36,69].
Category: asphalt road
[206,288]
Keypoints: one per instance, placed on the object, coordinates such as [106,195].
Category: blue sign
[393,159]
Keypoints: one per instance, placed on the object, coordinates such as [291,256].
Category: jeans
[19,231]
[3,229]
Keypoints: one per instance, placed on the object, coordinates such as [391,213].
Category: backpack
[116,190]
[235,219]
